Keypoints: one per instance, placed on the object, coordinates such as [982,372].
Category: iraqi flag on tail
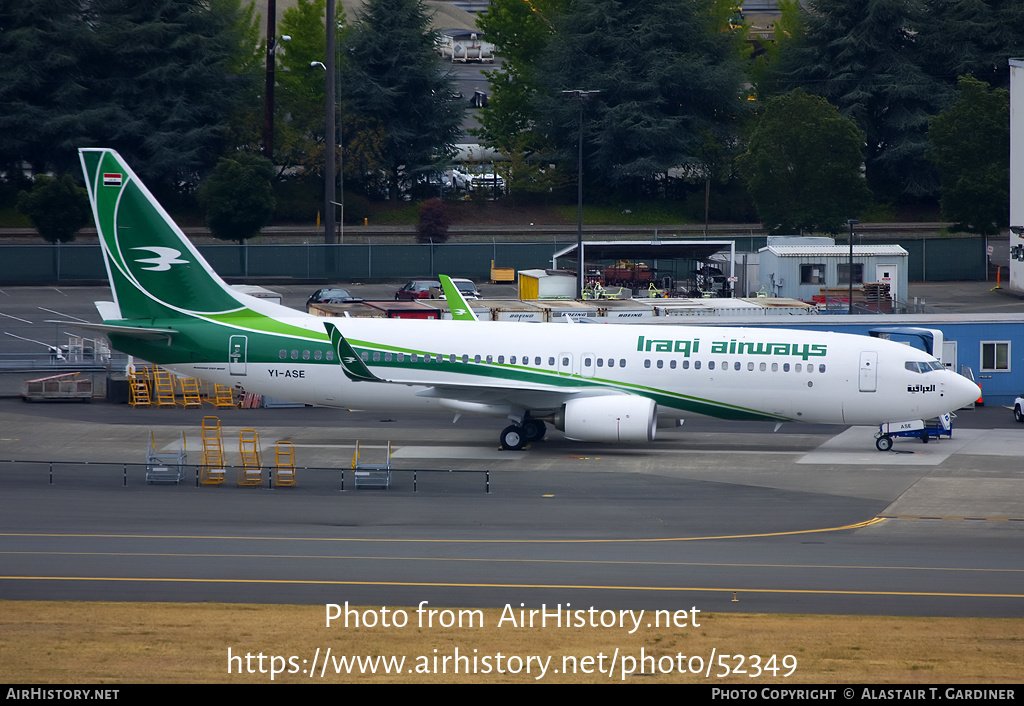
[112,179]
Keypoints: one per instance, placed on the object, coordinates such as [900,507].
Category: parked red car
[417,289]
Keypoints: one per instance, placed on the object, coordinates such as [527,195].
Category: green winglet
[351,364]
[456,302]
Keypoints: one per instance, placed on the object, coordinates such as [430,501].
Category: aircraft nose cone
[963,391]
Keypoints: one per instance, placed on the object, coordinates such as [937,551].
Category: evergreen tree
[668,76]
[866,59]
[393,81]
[149,79]
[970,144]
[44,89]
[802,165]
[162,74]
[972,38]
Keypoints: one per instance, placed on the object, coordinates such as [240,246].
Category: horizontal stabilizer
[141,332]
[109,311]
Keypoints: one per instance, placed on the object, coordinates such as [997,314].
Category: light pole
[330,130]
[580,97]
[851,222]
[268,98]
[329,169]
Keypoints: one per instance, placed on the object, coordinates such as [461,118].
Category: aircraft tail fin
[457,305]
[154,270]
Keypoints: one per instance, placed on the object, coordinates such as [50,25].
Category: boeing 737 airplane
[604,383]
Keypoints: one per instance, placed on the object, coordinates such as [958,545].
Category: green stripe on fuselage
[528,375]
[248,320]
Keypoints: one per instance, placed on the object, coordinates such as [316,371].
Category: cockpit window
[919,367]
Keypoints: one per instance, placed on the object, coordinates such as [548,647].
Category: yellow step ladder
[284,462]
[138,386]
[163,388]
[222,396]
[251,472]
[212,470]
[190,393]
[138,390]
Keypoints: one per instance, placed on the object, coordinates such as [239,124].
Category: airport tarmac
[725,516]
[721,516]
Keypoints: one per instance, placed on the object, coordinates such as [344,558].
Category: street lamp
[580,97]
[851,222]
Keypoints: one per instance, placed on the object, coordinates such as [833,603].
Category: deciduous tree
[57,208]
[433,222]
[803,165]
[302,90]
[520,32]
[237,198]
[970,145]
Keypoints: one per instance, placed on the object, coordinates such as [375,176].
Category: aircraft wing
[526,398]
[486,391]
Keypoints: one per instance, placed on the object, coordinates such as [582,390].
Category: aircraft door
[565,364]
[237,354]
[587,364]
[868,371]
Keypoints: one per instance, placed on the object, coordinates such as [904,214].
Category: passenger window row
[306,355]
[737,365]
[538,361]
[672,364]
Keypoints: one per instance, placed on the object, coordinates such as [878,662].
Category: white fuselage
[490,367]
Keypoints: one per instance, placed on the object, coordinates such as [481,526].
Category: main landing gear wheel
[534,429]
[513,438]
[883,443]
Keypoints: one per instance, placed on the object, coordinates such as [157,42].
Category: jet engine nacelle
[609,418]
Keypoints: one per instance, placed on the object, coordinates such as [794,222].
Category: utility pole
[268,98]
[580,97]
